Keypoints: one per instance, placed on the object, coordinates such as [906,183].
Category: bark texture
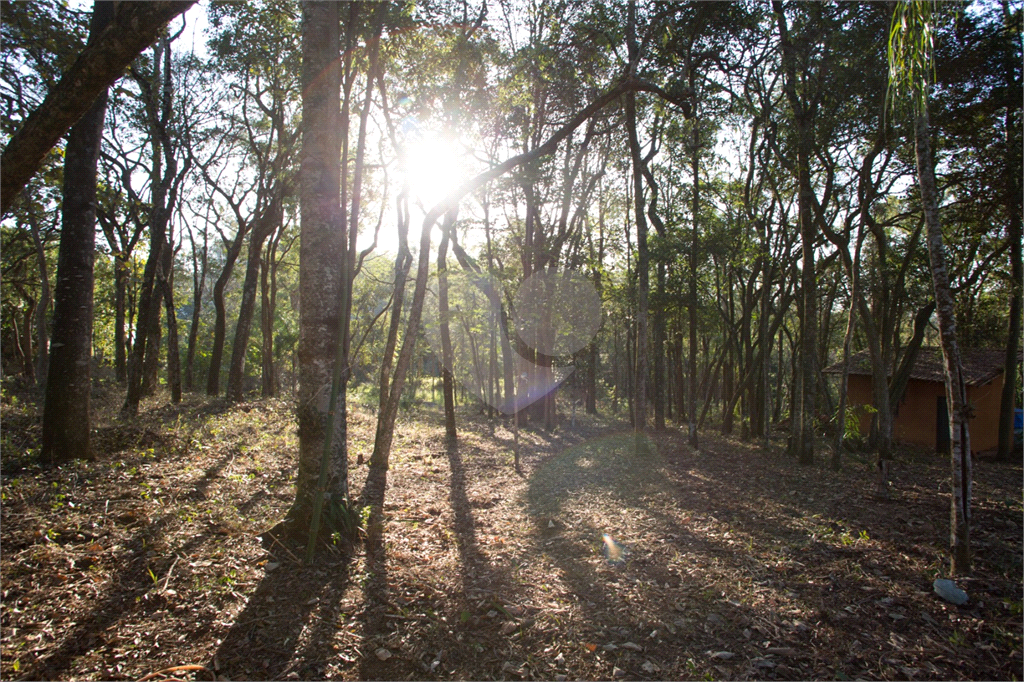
[956,387]
[320,242]
[66,417]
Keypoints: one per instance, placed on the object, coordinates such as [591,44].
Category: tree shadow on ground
[287,627]
[806,546]
[133,588]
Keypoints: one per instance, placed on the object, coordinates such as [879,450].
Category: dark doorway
[941,426]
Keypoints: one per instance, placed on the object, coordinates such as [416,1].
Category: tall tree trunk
[659,351]
[447,356]
[803,421]
[143,362]
[642,269]
[66,408]
[956,387]
[121,275]
[268,305]
[691,303]
[320,244]
[1014,201]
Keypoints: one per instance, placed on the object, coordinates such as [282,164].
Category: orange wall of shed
[915,419]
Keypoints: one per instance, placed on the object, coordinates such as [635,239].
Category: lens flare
[614,552]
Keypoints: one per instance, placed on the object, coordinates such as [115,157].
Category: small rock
[948,590]
[383,654]
[272,565]
[723,655]
[715,619]
[650,668]
[618,672]
[610,647]
[492,613]
[560,659]
[509,627]
[560,678]
[551,524]
[632,647]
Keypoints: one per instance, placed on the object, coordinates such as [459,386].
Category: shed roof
[981,365]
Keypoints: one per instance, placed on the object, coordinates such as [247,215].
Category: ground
[601,560]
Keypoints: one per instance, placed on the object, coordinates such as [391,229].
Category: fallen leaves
[491,574]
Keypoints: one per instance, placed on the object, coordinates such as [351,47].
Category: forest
[511,339]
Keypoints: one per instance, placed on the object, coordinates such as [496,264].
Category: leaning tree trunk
[101,63]
[66,416]
[956,387]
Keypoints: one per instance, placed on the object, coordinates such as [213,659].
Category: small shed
[921,418]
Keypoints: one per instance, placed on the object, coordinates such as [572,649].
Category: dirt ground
[600,561]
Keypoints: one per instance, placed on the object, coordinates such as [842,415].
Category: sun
[434,167]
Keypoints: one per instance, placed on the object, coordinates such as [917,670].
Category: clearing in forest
[600,561]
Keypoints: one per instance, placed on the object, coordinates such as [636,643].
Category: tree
[66,416]
[166,178]
[320,243]
[133,28]
[911,50]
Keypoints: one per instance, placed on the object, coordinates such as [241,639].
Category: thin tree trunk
[66,408]
[691,303]
[268,304]
[642,269]
[659,351]
[198,285]
[956,387]
[851,321]
[42,337]
[220,321]
[263,228]
[143,362]
[173,354]
[803,420]
[447,356]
